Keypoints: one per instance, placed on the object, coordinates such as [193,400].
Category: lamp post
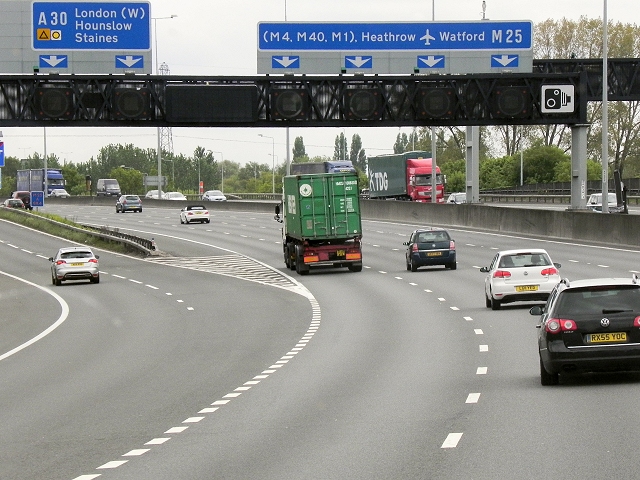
[221,169]
[273,167]
[155,37]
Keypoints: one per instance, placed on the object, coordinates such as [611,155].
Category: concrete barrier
[585,226]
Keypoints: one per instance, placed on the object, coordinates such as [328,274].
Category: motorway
[213,361]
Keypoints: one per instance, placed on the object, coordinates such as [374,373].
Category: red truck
[404,176]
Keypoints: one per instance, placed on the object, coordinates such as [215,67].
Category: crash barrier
[143,245]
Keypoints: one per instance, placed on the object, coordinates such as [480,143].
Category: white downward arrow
[286,61]
[431,60]
[129,60]
[53,60]
[359,61]
[504,60]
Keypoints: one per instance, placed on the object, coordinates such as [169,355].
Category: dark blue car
[429,247]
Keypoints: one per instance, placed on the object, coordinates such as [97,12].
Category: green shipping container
[324,206]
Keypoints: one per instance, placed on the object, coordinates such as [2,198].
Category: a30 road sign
[91,26]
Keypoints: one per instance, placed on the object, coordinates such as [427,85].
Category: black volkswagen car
[589,326]
[430,247]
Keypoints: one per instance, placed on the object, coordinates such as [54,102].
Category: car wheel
[414,267]
[453,266]
[495,304]
[487,302]
[301,268]
[181,221]
[58,282]
[408,265]
[547,378]
[53,279]
[208,221]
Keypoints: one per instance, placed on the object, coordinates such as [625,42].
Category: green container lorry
[322,226]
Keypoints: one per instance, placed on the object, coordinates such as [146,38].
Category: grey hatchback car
[429,247]
[74,263]
[129,202]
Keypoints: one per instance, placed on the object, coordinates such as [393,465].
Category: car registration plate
[608,337]
[527,288]
[434,254]
[76,264]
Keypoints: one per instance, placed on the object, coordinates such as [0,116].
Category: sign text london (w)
[438,47]
[91,26]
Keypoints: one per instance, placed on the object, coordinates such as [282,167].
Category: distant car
[595,203]
[429,247]
[214,196]
[74,263]
[59,193]
[24,196]
[519,276]
[13,203]
[589,325]
[128,203]
[457,198]
[174,196]
[154,194]
[194,213]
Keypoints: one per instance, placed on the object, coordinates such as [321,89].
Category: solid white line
[63,316]
[452,440]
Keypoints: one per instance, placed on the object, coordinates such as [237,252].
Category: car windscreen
[524,260]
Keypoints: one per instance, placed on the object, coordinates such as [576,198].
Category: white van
[107,187]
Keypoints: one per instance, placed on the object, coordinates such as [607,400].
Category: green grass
[36,220]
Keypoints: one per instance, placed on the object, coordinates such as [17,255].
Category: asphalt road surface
[215,361]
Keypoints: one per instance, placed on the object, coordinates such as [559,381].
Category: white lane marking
[473,398]
[135,281]
[171,430]
[88,477]
[114,464]
[427,290]
[442,299]
[137,452]
[63,316]
[208,410]
[481,371]
[381,271]
[484,348]
[151,286]
[468,319]
[190,308]
[118,276]
[193,420]
[26,251]
[603,266]
[161,440]
[452,440]
[454,308]
[478,331]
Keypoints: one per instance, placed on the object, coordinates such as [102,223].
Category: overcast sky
[215,37]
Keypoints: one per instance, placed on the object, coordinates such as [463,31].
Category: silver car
[214,196]
[74,263]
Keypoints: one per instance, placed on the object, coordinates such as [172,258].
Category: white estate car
[519,275]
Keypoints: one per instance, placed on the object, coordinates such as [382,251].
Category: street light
[273,158]
[221,169]
[155,36]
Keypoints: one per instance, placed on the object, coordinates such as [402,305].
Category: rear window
[132,197]
[598,300]
[525,260]
[67,255]
[431,237]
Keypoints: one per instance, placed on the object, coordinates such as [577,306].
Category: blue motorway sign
[480,35]
[1,153]
[91,26]
[37,199]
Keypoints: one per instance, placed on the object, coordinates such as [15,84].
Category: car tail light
[557,325]
[502,274]
[636,322]
[93,260]
[550,271]
[60,262]
[415,247]
[452,245]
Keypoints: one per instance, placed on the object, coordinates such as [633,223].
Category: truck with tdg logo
[322,226]
[404,176]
